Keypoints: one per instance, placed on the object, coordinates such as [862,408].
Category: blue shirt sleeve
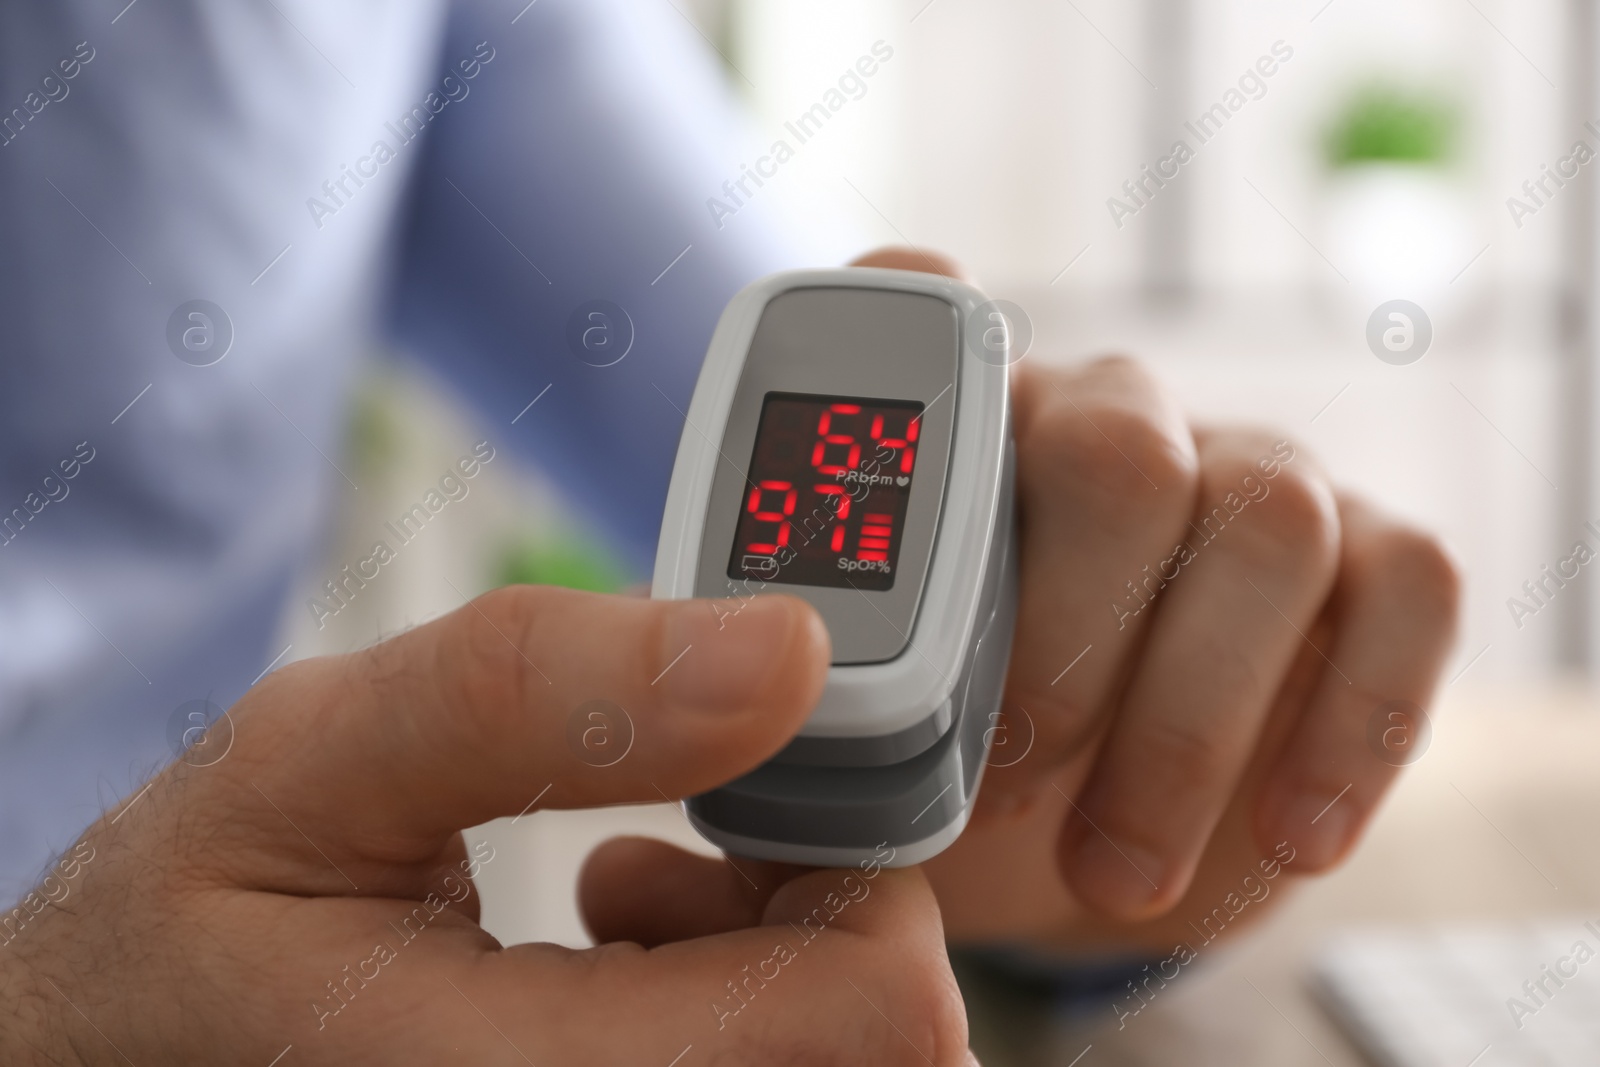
[578,171]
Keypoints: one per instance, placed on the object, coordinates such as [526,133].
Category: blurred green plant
[1385,123]
[561,560]
[373,429]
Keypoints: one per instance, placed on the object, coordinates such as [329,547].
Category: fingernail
[1318,826]
[1117,877]
[719,657]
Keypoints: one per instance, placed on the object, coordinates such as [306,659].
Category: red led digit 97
[828,485]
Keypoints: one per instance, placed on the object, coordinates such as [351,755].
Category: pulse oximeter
[849,442]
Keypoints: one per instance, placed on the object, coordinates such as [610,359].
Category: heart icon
[902,481]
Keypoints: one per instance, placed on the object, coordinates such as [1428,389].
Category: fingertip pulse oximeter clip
[849,443]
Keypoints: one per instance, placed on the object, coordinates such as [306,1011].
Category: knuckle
[1191,755]
[1296,521]
[296,677]
[1115,448]
[486,662]
[506,624]
[1055,727]
[316,689]
[1419,568]
[1121,370]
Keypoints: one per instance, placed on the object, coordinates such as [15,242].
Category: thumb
[528,694]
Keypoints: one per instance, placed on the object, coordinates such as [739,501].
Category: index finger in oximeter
[847,445]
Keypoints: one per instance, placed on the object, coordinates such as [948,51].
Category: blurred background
[1396,151]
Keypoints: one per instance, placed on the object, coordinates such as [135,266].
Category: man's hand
[1207,630]
[312,889]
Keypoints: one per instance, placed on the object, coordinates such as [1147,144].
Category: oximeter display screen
[825,499]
